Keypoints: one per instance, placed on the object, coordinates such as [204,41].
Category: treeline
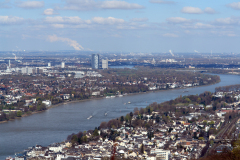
[222,71]
[230,88]
[140,79]
[158,75]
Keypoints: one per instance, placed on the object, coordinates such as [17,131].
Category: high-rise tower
[95,61]
[104,64]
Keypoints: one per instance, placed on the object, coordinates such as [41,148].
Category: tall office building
[49,64]
[95,61]
[63,65]
[104,64]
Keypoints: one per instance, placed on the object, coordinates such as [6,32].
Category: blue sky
[118,25]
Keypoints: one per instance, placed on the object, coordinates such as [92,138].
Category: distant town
[29,90]
[189,127]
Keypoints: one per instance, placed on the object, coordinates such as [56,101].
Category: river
[55,124]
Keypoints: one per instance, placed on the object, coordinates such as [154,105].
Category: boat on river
[106,114]
[89,117]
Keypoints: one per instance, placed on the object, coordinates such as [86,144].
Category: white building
[47,102]
[30,70]
[104,64]
[96,93]
[79,74]
[24,70]
[162,154]
[63,65]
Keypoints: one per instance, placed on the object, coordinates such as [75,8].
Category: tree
[157,119]
[74,139]
[200,138]
[95,133]
[131,114]
[142,148]
[150,134]
[122,119]
[176,136]
[19,114]
[103,125]
[211,123]
[170,129]
[195,135]
[205,122]
[136,111]
[84,139]
[236,149]
[127,118]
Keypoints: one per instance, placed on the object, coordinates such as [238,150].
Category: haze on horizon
[118,25]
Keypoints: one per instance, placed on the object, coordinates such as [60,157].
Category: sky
[120,25]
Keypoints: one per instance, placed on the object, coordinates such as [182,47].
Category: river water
[54,125]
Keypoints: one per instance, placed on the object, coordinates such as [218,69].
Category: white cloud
[198,26]
[191,10]
[109,20]
[82,5]
[65,20]
[5,4]
[228,20]
[116,35]
[224,33]
[30,4]
[203,26]
[231,35]
[234,5]
[77,20]
[49,11]
[119,5]
[196,10]
[57,25]
[162,2]
[170,35]
[139,19]
[11,20]
[209,10]
[178,20]
[24,36]
[70,42]
[56,19]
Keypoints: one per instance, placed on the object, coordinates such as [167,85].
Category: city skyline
[128,26]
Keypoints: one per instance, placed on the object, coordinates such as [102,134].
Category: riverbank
[96,98]
[54,125]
